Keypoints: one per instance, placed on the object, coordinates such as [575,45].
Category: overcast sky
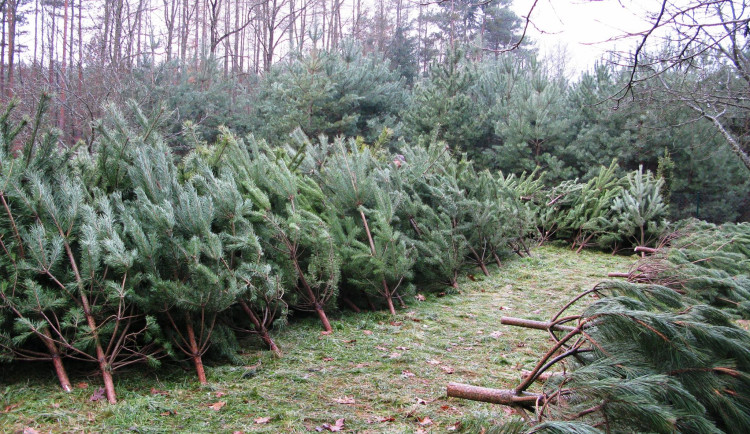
[584,28]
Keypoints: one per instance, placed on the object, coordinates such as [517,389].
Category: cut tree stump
[531,324]
[494,396]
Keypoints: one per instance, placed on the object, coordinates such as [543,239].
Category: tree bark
[644,249]
[531,324]
[479,261]
[350,304]
[494,396]
[261,329]
[195,351]
[62,375]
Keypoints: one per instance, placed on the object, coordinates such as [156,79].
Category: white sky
[583,28]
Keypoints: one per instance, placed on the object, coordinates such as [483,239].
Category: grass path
[379,373]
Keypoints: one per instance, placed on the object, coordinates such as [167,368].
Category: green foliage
[194,92]
[639,212]
[443,107]
[343,92]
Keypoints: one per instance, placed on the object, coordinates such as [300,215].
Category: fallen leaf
[388,419]
[407,374]
[367,332]
[416,320]
[496,334]
[445,407]
[426,421]
[509,308]
[361,365]
[219,394]
[82,385]
[402,348]
[337,426]
[28,430]
[480,332]
[471,277]
[216,406]
[9,408]
[159,392]
[328,359]
[238,432]
[394,355]
[434,362]
[169,413]
[396,323]
[455,426]
[447,369]
[420,297]
[350,341]
[421,401]
[509,411]
[55,405]
[381,348]
[262,420]
[345,400]
[99,394]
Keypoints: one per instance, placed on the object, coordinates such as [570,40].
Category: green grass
[394,369]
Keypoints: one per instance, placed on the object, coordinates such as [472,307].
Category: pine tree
[444,106]
[639,212]
[227,173]
[69,282]
[182,259]
[376,257]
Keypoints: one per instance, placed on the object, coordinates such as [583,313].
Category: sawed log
[494,396]
[531,324]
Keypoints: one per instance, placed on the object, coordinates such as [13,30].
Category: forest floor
[376,372]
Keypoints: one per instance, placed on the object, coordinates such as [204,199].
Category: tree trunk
[311,296]
[104,368]
[531,324]
[644,249]
[479,261]
[261,329]
[64,78]
[497,259]
[494,396]
[350,304]
[62,375]
[195,351]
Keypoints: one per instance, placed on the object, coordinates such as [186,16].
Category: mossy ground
[379,373]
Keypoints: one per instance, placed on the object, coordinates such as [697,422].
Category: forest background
[464,72]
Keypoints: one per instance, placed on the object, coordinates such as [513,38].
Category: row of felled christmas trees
[662,353]
[127,253]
